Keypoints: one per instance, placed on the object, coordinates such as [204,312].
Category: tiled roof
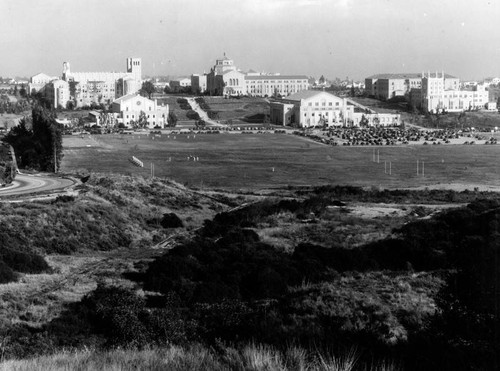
[277,77]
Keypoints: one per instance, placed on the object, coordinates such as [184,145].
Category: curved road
[28,184]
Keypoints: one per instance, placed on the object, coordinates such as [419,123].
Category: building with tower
[225,79]
[441,93]
[87,88]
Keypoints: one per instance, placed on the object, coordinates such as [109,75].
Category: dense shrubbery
[122,316]
[192,115]
[227,285]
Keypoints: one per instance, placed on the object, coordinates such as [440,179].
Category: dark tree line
[37,141]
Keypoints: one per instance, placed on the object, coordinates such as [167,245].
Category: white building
[309,108]
[103,87]
[129,107]
[225,79]
[283,85]
[57,93]
[38,82]
[437,96]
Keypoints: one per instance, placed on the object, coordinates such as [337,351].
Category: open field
[233,109]
[260,161]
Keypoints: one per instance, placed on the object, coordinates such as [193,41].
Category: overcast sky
[334,38]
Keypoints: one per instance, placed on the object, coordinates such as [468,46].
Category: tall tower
[66,71]
[134,69]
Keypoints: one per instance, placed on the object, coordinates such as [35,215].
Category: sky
[334,38]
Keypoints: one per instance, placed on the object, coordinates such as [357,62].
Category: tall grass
[254,357]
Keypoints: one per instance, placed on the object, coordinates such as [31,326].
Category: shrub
[23,262]
[192,115]
[6,274]
[171,220]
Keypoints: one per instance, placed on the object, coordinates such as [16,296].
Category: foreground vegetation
[408,288]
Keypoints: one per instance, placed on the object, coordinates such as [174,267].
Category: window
[330,103]
[310,104]
[316,104]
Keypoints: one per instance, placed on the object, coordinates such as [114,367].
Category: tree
[147,89]
[41,146]
[172,119]
[353,93]
[143,121]
[22,91]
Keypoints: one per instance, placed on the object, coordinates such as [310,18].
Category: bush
[6,274]
[122,316]
[192,115]
[171,220]
[23,262]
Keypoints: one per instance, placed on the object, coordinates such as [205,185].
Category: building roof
[306,94]
[277,77]
[126,97]
[229,71]
[405,76]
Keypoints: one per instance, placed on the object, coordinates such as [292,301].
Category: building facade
[130,107]
[38,82]
[57,93]
[273,85]
[87,88]
[437,95]
[390,85]
[318,108]
[199,83]
[225,79]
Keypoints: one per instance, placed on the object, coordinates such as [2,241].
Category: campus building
[199,83]
[225,79]
[310,108]
[438,93]
[129,108]
[103,87]
[57,93]
[38,82]
[273,85]
[390,85]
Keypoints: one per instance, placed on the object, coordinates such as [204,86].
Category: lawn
[238,108]
[173,106]
[260,161]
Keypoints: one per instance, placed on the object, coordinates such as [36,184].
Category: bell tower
[134,68]
[66,71]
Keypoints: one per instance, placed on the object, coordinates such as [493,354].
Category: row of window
[324,104]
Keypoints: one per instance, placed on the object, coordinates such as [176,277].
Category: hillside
[135,263]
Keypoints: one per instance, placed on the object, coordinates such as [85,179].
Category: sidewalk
[203,115]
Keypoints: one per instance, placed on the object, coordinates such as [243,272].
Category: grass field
[260,161]
[171,100]
[235,109]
